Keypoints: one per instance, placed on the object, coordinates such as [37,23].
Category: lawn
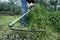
[38,19]
[5,20]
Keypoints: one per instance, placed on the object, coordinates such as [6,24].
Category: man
[24,9]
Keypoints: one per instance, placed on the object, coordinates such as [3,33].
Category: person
[24,9]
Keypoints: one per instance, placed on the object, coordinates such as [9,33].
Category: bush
[39,17]
[10,7]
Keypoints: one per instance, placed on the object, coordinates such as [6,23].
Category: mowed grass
[5,20]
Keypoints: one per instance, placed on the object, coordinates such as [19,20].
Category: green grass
[38,19]
[5,20]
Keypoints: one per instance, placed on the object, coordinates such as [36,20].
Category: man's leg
[24,9]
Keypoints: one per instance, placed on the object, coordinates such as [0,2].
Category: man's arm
[31,2]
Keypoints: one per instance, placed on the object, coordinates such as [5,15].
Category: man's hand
[31,4]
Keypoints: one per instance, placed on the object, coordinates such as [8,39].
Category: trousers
[23,10]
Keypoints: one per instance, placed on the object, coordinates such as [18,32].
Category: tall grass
[40,17]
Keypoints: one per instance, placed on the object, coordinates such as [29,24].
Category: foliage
[10,7]
[38,19]
[52,5]
[42,18]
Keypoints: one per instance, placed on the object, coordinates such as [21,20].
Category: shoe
[25,25]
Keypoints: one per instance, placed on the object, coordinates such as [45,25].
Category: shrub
[39,17]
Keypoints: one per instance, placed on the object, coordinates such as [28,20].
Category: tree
[54,3]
